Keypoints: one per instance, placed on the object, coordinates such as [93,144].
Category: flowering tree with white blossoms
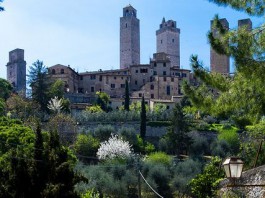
[115,147]
[55,104]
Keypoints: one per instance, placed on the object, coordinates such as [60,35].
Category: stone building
[167,41]
[129,38]
[219,63]
[16,70]
[112,82]
[69,76]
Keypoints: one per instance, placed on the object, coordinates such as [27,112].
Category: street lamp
[233,167]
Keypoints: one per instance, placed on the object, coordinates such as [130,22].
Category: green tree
[5,89]
[127,97]
[39,81]
[21,108]
[204,185]
[177,133]
[57,89]
[86,145]
[242,97]
[2,107]
[103,100]
[143,120]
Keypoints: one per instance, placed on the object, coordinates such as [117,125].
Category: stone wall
[150,131]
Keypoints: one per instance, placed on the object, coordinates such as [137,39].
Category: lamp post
[233,167]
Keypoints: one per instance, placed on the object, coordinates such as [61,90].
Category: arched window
[53,71]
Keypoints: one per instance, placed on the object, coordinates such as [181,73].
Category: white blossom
[115,147]
[55,104]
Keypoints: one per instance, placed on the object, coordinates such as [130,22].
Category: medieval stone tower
[245,23]
[167,41]
[16,70]
[129,38]
[219,63]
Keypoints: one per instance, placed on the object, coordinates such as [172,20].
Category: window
[173,40]
[161,41]
[115,77]
[172,79]
[92,89]
[168,107]
[151,79]
[136,71]
[135,82]
[165,79]
[62,71]
[53,71]
[168,90]
[154,64]
[155,73]
[152,87]
[177,74]
[164,64]
[126,25]
[164,73]
[100,78]
[140,94]
[92,77]
[125,72]
[143,70]
[122,85]
[152,96]
[81,77]
[112,86]
[184,75]
[122,77]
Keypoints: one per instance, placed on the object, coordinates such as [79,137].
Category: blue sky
[85,33]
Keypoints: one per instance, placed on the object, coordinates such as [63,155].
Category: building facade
[16,70]
[129,38]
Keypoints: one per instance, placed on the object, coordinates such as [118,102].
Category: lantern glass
[227,170]
[233,167]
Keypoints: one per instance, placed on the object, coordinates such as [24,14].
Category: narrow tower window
[126,25]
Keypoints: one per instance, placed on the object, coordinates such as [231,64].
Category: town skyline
[87,36]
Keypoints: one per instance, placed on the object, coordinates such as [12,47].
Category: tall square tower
[167,41]
[16,70]
[218,62]
[129,38]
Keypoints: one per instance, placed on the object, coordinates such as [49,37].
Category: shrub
[103,132]
[86,145]
[199,146]
[231,137]
[160,158]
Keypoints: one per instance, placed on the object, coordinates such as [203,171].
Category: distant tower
[167,41]
[245,23]
[129,38]
[16,70]
[219,63]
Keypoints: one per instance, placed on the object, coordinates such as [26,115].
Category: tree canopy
[39,81]
[5,89]
[239,97]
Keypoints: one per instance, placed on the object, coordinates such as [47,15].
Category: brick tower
[129,38]
[167,41]
[219,63]
[16,70]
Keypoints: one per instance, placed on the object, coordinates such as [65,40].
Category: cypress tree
[127,97]
[143,119]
